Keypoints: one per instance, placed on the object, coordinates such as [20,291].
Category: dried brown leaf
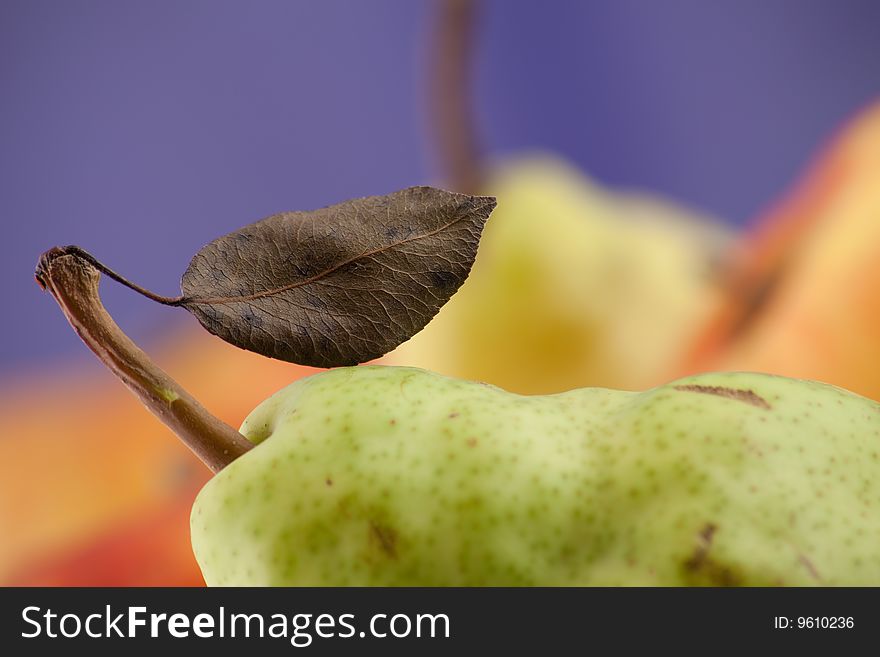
[340,285]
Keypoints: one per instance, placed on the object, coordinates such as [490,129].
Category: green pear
[398,476]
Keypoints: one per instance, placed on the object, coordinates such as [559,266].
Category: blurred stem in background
[450,102]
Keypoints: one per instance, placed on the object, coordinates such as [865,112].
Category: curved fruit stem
[73,281]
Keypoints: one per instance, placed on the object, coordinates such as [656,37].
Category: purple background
[141,130]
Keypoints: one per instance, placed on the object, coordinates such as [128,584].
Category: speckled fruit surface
[398,476]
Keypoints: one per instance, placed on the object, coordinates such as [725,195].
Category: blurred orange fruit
[81,456]
[802,288]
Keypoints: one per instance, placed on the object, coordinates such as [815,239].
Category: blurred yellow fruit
[574,285]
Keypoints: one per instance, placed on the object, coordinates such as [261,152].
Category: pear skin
[398,476]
